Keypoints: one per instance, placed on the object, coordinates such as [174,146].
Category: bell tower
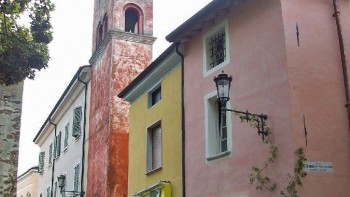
[122,48]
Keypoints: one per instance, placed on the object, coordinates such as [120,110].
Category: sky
[70,49]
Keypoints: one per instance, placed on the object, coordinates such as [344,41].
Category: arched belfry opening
[133,19]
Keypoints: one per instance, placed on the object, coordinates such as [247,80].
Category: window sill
[153,170]
[218,156]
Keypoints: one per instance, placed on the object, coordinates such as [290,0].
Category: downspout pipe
[342,55]
[84,136]
[183,137]
[53,159]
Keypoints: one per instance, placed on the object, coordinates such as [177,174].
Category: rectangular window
[216,44]
[50,154]
[154,96]
[215,51]
[217,129]
[66,135]
[48,192]
[76,177]
[41,161]
[154,147]
[77,117]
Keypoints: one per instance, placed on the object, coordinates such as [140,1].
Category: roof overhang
[72,91]
[208,16]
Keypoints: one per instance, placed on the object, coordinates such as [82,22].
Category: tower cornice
[120,35]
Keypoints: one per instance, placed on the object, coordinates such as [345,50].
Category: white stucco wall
[70,156]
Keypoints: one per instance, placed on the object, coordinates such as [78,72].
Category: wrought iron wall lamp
[223,85]
[62,183]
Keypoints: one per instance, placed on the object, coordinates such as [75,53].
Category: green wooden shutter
[59,143]
[41,161]
[55,191]
[50,154]
[54,147]
[48,192]
[66,134]
[76,177]
[77,121]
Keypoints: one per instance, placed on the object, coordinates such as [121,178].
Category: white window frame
[66,147]
[79,175]
[206,70]
[149,168]
[211,152]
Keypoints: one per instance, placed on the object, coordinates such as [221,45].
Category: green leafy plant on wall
[263,182]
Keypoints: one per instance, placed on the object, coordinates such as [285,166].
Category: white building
[61,139]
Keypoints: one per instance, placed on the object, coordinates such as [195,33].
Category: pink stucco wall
[272,75]
[317,91]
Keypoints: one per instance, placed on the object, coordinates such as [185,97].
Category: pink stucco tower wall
[285,62]
[118,57]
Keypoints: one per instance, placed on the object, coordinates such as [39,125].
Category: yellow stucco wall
[168,111]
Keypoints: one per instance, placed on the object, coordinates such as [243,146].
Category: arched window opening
[99,34]
[105,20]
[131,20]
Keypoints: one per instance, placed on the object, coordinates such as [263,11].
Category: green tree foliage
[24,50]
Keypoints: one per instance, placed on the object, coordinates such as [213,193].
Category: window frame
[151,101]
[76,188]
[66,137]
[41,164]
[149,144]
[77,121]
[212,140]
[206,67]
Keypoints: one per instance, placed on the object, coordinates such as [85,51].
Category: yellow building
[27,183]
[155,145]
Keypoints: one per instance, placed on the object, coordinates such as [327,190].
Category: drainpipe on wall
[342,54]
[84,132]
[182,119]
[53,159]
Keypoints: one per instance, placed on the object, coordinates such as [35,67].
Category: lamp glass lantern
[223,85]
[61,181]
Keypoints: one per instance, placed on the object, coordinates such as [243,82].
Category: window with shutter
[76,177]
[54,147]
[66,136]
[59,143]
[77,122]
[55,191]
[50,154]
[41,161]
[154,147]
[48,192]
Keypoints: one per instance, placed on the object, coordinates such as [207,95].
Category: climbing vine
[257,176]
[295,180]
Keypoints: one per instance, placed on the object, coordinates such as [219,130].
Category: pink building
[285,62]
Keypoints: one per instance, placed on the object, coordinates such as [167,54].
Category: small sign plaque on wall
[318,166]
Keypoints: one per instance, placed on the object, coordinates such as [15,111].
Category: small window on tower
[131,20]
[99,35]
